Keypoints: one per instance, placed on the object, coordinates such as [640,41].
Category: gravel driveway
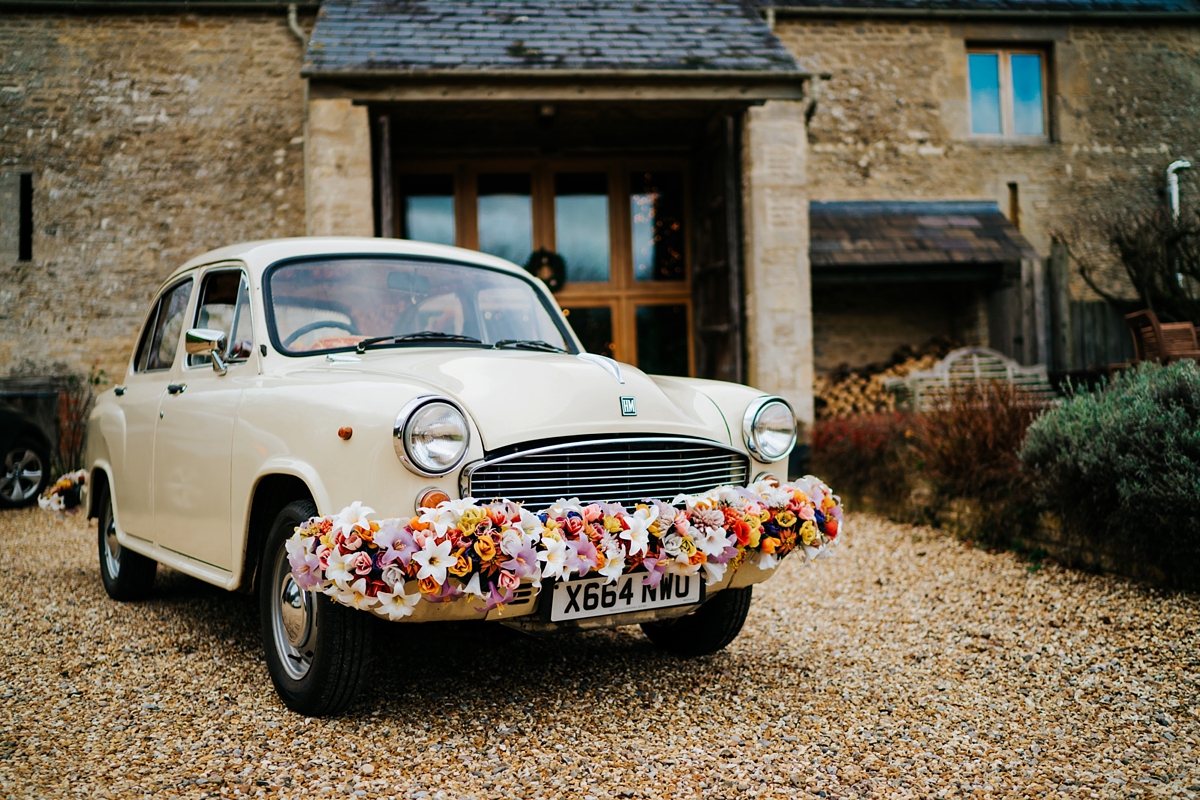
[907,665]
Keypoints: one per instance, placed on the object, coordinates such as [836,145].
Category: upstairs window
[1008,93]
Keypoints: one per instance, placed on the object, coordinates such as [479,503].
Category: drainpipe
[1173,185]
[294,25]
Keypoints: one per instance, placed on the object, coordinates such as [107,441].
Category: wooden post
[383,179]
[1060,308]
[1041,312]
[1028,349]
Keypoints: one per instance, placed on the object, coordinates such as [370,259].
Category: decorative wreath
[465,547]
[64,494]
[549,266]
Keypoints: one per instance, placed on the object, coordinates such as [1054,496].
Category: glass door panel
[428,208]
[662,339]
[656,212]
[581,224]
[506,216]
[594,327]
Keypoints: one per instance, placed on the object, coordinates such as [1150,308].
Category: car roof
[260,254]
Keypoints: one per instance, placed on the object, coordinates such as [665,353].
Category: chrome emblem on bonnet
[628,407]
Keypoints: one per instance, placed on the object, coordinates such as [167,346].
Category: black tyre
[317,650]
[24,473]
[126,575]
[706,630]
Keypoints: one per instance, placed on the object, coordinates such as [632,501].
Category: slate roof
[896,235]
[1034,7]
[678,36]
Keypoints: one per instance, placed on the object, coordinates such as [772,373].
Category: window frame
[200,278]
[1004,54]
[151,324]
[622,293]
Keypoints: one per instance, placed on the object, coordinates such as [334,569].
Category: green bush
[1122,465]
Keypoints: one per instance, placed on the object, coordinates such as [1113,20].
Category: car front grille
[607,470]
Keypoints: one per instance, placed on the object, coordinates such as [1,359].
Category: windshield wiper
[528,344]
[418,337]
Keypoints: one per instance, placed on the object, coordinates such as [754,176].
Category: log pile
[847,391]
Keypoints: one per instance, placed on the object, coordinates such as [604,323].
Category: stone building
[667,150]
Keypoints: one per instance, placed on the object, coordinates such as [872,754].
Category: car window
[335,303]
[160,340]
[225,306]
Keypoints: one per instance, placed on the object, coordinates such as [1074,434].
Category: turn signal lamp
[431,498]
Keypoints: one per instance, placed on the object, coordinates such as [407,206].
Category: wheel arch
[100,483]
[271,494]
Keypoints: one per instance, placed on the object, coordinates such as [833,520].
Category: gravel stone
[876,673]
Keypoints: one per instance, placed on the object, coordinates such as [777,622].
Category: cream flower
[356,596]
[638,534]
[340,569]
[434,559]
[555,558]
[352,515]
[396,604]
[714,572]
[446,515]
[614,562]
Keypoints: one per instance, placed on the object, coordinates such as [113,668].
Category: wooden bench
[1163,342]
[971,365]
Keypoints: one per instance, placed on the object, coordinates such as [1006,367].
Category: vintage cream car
[279,380]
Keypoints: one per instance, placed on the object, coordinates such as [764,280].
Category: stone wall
[891,123]
[151,138]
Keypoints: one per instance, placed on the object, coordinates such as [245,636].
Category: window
[619,225]
[1008,93]
[160,339]
[25,218]
[225,306]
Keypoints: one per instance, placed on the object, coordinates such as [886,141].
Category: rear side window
[160,339]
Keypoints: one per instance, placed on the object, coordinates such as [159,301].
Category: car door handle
[176,388]
[119,391]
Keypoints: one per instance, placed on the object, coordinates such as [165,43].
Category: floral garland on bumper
[467,547]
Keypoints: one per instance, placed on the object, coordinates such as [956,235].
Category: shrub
[1122,465]
[968,448]
[865,456]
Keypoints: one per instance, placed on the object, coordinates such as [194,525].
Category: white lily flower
[714,572]
[638,534]
[356,596]
[767,561]
[446,515]
[350,516]
[713,541]
[472,587]
[434,559]
[339,569]
[555,558]
[811,553]
[396,604]
[563,506]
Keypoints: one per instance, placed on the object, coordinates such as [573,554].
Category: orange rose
[768,545]
[416,524]
[485,546]
[461,567]
[697,558]
[428,586]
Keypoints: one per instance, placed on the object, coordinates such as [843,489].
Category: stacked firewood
[846,391]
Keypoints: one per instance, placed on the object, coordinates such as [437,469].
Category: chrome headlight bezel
[401,438]
[750,420]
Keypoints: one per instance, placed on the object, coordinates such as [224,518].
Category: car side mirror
[207,342]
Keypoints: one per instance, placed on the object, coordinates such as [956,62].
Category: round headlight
[769,428]
[431,436]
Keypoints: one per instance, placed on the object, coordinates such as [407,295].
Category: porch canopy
[903,242]
[537,94]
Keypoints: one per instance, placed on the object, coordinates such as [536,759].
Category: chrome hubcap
[293,622]
[22,475]
[112,548]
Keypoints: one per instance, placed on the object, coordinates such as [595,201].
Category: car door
[139,399]
[194,440]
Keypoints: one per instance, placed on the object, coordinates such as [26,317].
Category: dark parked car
[24,459]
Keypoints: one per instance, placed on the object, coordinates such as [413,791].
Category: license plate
[592,597]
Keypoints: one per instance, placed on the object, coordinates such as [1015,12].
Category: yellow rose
[786,519]
[687,547]
[471,519]
[808,533]
[461,567]
[612,525]
[764,515]
[485,546]
[755,538]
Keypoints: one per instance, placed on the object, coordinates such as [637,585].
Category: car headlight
[431,436]
[769,428]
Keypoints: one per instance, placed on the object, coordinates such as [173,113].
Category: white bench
[966,366]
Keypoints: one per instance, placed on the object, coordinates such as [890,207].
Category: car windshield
[337,303]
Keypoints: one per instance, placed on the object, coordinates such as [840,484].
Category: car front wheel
[317,651]
[126,575]
[706,630]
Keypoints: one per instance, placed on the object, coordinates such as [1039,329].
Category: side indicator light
[430,498]
[345,433]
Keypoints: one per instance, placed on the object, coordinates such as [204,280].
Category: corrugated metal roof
[678,36]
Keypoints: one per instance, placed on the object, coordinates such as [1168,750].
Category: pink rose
[323,556]
[806,512]
[574,525]
[362,564]
[352,542]
[591,513]
[508,581]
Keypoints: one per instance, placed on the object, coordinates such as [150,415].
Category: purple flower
[654,571]
[496,598]
[445,594]
[728,553]
[582,556]
[524,563]
[306,569]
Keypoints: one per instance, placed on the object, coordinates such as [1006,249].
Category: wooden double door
[621,228]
